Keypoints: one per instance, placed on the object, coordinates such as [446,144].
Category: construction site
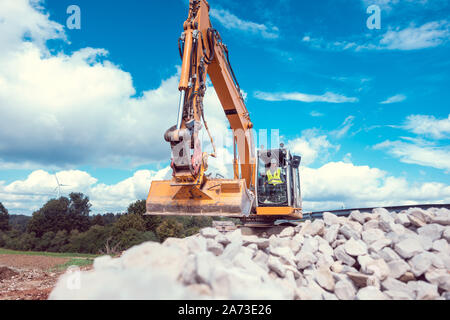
[262,243]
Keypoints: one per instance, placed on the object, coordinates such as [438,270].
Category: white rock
[284,253]
[301,228]
[341,255]
[337,267]
[331,233]
[276,266]
[324,260]
[261,259]
[420,214]
[416,221]
[204,263]
[446,234]
[275,241]
[408,248]
[423,290]
[439,277]
[392,284]
[222,239]
[388,255]
[330,219]
[441,245]
[420,263]
[348,232]
[385,221]
[371,235]
[442,217]
[214,247]
[402,218]
[307,293]
[397,295]
[355,247]
[380,211]
[378,245]
[358,216]
[325,248]
[310,245]
[296,243]
[209,232]
[432,231]
[305,259]
[371,293]
[235,245]
[371,224]
[316,228]
[287,232]
[324,278]
[398,268]
[345,290]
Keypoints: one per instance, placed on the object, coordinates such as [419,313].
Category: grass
[49,254]
[76,259]
[73,262]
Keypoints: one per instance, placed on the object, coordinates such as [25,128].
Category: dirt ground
[25,277]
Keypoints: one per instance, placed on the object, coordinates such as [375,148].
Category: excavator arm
[190,191]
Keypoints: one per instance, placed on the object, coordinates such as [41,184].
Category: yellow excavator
[266,183]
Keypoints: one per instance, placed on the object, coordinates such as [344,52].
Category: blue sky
[357,104]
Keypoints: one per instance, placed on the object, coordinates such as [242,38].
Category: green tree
[78,212]
[139,207]
[4,218]
[27,241]
[129,221]
[169,228]
[45,241]
[51,217]
[61,214]
[58,243]
[98,221]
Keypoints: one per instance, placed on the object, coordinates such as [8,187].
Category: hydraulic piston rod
[180,109]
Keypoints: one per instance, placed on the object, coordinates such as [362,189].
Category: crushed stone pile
[366,256]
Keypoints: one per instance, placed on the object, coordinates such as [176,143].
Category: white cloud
[70,109]
[310,146]
[230,21]
[428,35]
[431,34]
[316,114]
[436,157]
[28,195]
[344,128]
[328,97]
[339,184]
[394,99]
[428,126]
[36,26]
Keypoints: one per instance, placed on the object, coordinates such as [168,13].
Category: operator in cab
[274,173]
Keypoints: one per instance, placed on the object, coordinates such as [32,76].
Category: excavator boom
[191,192]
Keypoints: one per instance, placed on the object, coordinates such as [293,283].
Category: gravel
[367,256]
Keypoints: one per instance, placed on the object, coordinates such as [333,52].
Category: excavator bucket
[217,197]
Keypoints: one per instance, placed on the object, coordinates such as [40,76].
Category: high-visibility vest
[275,178]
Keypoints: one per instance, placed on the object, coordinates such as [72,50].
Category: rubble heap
[377,255]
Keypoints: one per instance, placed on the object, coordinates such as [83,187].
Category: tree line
[65,225]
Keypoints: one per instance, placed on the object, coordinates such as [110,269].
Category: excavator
[192,191]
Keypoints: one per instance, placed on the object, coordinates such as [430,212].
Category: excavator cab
[280,195]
